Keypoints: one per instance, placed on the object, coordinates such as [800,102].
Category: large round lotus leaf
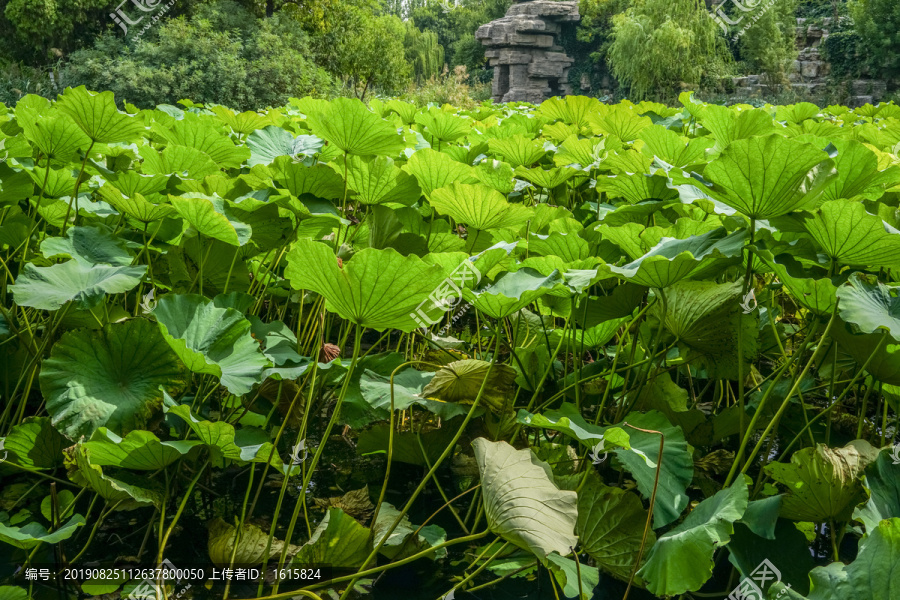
[376,288]
[108,378]
[672,259]
[521,502]
[610,526]
[682,559]
[870,307]
[766,177]
[351,126]
[873,575]
[823,483]
[461,381]
[211,338]
[852,236]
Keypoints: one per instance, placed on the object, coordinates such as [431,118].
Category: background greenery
[250,54]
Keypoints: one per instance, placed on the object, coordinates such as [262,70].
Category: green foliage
[587,326]
[262,64]
[769,46]
[878,23]
[657,45]
[424,54]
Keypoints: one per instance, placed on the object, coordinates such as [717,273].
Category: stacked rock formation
[528,64]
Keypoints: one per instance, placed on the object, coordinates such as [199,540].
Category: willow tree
[659,44]
[423,52]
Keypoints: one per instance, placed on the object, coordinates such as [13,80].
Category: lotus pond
[332,350]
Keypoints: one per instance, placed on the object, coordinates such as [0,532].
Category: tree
[374,57]
[878,24]
[423,52]
[658,44]
[769,45]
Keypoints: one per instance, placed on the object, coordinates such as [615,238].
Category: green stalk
[315,460]
[447,451]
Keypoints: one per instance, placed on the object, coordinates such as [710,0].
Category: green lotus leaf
[124,491]
[677,463]
[787,551]
[33,533]
[98,117]
[252,543]
[521,502]
[705,317]
[567,246]
[580,152]
[728,125]
[675,150]
[682,559]
[35,444]
[210,216]
[797,113]
[8,592]
[873,575]
[406,111]
[377,181]
[56,136]
[442,125]
[636,187]
[182,161]
[672,259]
[766,177]
[547,178]
[611,526]
[621,121]
[858,173]
[412,448]
[319,180]
[518,150]
[870,307]
[881,356]
[573,577]
[192,132]
[212,340]
[497,175]
[574,110]
[408,390]
[89,245]
[108,378]
[139,450]
[853,237]
[226,443]
[244,123]
[513,292]
[399,545]
[569,421]
[460,381]
[380,289]
[56,183]
[267,144]
[48,288]
[352,127]
[137,206]
[338,541]
[815,295]
[434,170]
[479,206]
[823,483]
[883,483]
[65,502]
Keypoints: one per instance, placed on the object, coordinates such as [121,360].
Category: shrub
[260,65]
